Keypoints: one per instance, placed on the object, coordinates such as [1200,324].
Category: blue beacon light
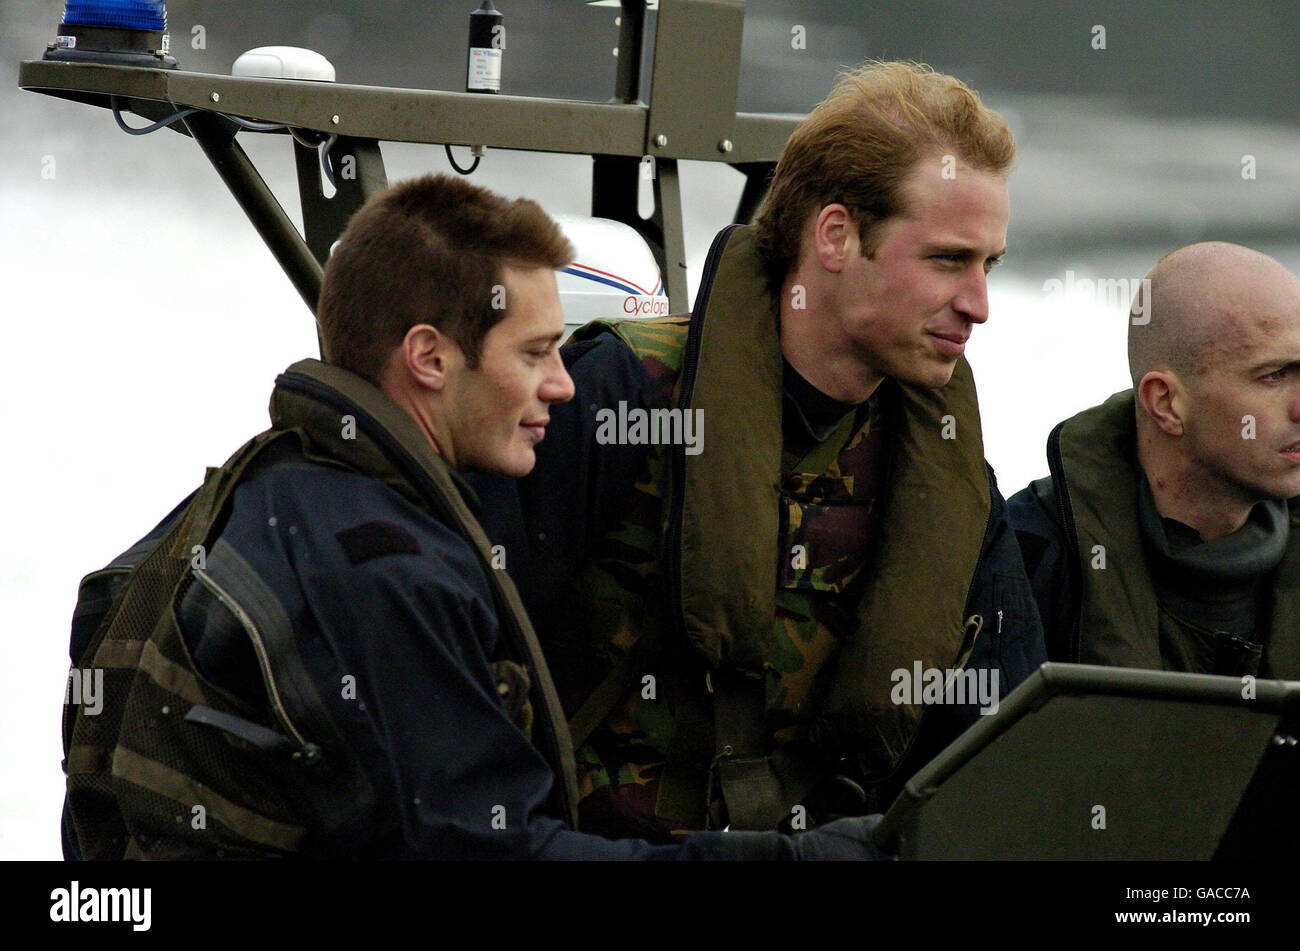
[113,32]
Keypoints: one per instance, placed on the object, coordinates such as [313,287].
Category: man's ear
[835,237]
[426,354]
[1164,398]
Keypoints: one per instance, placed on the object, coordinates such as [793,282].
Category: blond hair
[858,146]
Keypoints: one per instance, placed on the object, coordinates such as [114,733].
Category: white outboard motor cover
[614,276]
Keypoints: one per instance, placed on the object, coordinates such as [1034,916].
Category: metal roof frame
[691,116]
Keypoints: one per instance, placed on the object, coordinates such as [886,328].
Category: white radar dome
[283,62]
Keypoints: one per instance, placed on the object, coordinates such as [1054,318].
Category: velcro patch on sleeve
[372,540]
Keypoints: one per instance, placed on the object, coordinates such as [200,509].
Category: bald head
[1201,302]
[1215,360]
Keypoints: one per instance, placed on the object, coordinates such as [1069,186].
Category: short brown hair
[427,251]
[859,145]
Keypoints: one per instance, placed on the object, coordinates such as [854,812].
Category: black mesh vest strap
[145,778]
[115,652]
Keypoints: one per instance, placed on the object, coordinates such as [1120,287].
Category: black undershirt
[811,416]
[1214,585]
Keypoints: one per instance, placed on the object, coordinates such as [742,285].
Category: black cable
[177,116]
[325,159]
[463,171]
[145,130]
[322,146]
[303,140]
[255,126]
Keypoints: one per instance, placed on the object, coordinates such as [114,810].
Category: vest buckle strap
[264,739]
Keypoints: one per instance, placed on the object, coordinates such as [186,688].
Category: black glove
[844,840]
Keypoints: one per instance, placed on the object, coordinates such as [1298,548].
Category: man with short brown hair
[317,654]
[742,643]
[433,251]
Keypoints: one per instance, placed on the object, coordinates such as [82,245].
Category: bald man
[1165,536]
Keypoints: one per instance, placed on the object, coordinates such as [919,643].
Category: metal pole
[217,139]
[631,29]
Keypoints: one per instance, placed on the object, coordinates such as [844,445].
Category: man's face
[908,310]
[1242,414]
[495,414]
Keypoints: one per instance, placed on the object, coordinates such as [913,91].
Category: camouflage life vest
[173,766]
[1093,457]
[703,590]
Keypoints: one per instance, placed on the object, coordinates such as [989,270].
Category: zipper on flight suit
[259,648]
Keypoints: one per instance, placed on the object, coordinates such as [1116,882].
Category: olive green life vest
[173,766]
[720,546]
[1093,456]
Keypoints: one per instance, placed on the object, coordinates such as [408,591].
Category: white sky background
[143,322]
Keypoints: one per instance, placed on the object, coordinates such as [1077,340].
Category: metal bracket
[696,74]
[668,217]
[615,181]
[358,170]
